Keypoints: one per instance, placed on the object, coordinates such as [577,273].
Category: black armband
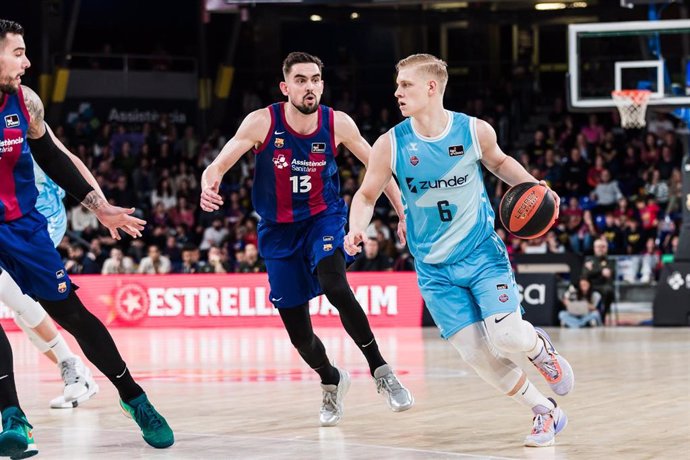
[59,167]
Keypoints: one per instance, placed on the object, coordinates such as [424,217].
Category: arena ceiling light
[550,6]
[315,18]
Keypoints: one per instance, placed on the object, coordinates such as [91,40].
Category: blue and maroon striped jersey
[17,186]
[296,176]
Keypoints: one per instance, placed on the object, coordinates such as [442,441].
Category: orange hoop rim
[637,96]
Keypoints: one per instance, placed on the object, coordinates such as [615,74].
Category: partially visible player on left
[32,318]
[28,254]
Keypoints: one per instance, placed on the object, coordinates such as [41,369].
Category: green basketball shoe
[16,439]
[154,429]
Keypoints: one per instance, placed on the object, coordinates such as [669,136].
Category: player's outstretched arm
[503,166]
[348,134]
[60,167]
[378,175]
[251,133]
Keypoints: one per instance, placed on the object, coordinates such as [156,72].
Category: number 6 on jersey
[443,211]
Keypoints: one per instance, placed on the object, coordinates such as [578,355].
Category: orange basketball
[527,210]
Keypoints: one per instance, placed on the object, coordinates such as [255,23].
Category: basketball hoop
[632,105]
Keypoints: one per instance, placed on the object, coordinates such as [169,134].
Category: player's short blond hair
[429,64]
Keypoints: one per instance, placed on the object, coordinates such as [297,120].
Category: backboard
[652,55]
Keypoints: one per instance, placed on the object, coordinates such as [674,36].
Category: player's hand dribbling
[210,198]
[352,242]
[115,217]
[556,198]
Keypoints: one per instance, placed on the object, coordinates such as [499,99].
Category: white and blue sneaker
[545,426]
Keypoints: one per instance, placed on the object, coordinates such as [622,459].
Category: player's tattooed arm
[93,201]
[34,106]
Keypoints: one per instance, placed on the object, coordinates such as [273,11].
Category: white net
[632,105]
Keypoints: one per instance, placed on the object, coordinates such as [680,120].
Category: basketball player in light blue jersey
[463,270]
[32,318]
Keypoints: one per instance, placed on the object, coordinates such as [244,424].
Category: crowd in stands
[622,186]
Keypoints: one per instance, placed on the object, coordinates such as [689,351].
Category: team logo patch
[279,142]
[328,238]
[328,247]
[62,287]
[456,150]
[501,287]
[503,298]
[318,147]
[414,160]
[280,162]
[60,274]
[12,121]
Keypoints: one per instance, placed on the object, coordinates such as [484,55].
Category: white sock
[60,348]
[528,395]
[537,349]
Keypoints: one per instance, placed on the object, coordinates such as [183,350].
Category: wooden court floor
[245,394]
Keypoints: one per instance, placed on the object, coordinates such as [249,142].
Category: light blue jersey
[447,208]
[49,203]
[462,266]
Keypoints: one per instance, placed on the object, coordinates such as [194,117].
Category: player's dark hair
[298,57]
[10,27]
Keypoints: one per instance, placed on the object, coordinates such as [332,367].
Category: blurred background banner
[242,300]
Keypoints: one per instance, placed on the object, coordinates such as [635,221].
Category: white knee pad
[33,337]
[473,345]
[509,333]
[24,307]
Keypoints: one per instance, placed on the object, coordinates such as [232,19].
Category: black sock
[8,389]
[126,386]
[328,373]
[372,354]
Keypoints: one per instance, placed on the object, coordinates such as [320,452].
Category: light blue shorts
[471,290]
[57,226]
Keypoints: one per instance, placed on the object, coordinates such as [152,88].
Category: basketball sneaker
[332,403]
[154,429]
[545,426]
[397,396]
[80,385]
[16,439]
[554,367]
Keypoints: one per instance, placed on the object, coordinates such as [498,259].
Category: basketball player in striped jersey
[27,252]
[462,266]
[296,192]
[32,318]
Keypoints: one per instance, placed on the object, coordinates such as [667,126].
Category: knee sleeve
[298,325]
[475,349]
[25,308]
[333,281]
[509,333]
[41,345]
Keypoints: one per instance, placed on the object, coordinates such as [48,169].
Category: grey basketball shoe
[332,403]
[397,396]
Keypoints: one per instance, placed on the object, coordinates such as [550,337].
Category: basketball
[527,210]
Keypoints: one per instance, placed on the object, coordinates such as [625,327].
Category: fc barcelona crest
[279,142]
